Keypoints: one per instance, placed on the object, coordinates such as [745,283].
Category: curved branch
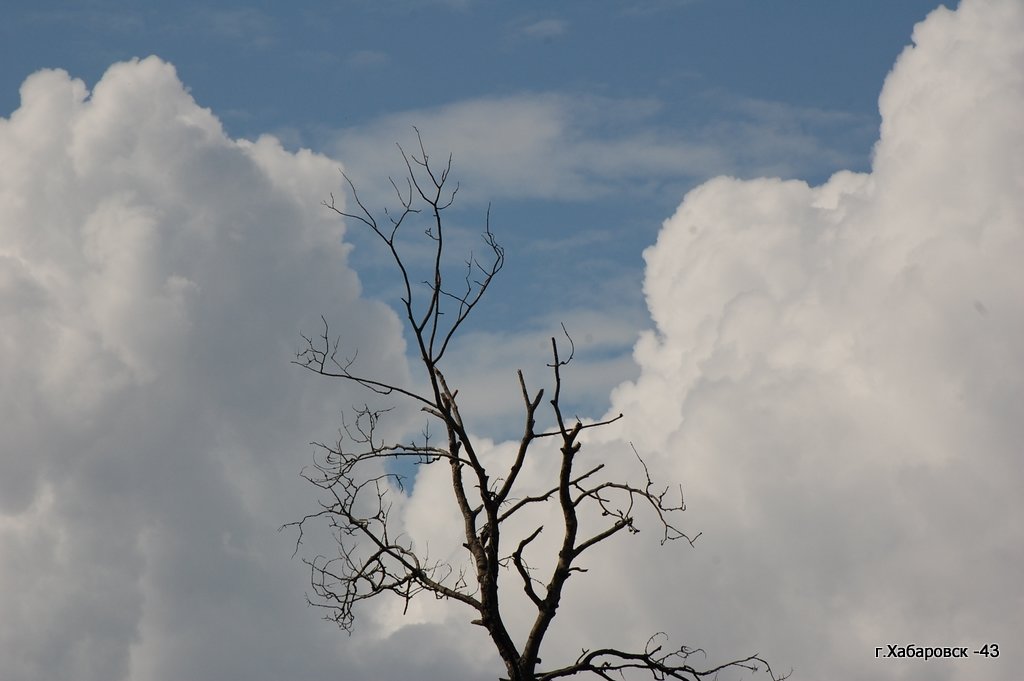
[659,664]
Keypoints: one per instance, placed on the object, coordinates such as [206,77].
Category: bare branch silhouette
[374,559]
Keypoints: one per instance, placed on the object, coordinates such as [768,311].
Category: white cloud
[824,382]
[556,146]
[154,277]
[544,29]
[833,376]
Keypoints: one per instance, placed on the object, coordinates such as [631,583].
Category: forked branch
[582,505]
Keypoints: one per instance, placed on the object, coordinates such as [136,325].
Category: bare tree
[590,507]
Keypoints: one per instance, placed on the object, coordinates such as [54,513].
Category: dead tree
[373,560]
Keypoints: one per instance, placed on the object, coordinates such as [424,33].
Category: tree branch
[373,559]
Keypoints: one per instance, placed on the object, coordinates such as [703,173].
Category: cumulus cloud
[834,376]
[154,277]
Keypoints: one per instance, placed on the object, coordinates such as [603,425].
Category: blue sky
[785,88]
[319,66]
[785,237]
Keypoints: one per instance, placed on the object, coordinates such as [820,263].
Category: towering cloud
[835,375]
[154,277]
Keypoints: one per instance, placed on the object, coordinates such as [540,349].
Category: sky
[784,236]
